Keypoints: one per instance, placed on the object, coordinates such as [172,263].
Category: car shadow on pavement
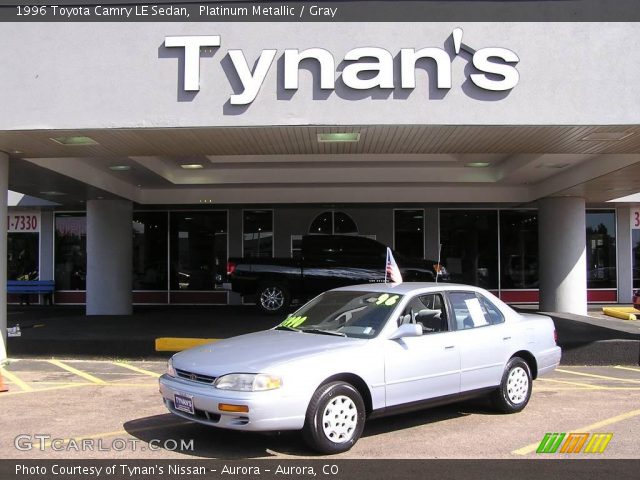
[170,433]
[165,431]
[427,416]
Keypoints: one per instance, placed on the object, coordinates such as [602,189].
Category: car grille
[195,377]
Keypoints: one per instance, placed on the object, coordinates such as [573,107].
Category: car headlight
[170,370]
[248,382]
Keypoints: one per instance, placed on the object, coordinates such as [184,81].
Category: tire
[335,418]
[273,298]
[515,388]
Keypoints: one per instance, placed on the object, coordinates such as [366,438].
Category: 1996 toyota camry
[360,352]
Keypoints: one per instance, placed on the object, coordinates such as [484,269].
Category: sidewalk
[66,332]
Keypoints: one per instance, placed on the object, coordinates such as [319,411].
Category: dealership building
[137,158]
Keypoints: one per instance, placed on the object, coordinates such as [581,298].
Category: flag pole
[439,266]
[385,266]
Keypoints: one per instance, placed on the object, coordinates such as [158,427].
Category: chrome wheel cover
[340,419]
[517,385]
[272,298]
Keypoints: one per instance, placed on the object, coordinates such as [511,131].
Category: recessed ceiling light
[478,164]
[338,137]
[118,168]
[554,165]
[75,141]
[16,151]
[606,136]
[52,193]
[191,166]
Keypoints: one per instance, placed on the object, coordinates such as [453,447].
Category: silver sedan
[361,352]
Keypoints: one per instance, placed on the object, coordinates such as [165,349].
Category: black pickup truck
[326,262]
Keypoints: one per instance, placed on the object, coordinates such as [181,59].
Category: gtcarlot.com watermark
[44,442]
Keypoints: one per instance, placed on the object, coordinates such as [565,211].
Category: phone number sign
[23,222]
[635,218]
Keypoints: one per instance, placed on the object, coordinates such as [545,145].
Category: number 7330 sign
[23,222]
[635,218]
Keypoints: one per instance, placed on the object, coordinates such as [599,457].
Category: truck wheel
[273,298]
[335,418]
[515,389]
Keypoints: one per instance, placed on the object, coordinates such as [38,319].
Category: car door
[482,337]
[424,367]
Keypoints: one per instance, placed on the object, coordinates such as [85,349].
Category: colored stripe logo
[574,442]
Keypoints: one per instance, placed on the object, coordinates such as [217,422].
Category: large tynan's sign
[495,66]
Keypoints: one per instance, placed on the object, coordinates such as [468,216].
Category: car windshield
[344,313]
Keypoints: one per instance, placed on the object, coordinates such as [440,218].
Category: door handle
[449,347]
[506,338]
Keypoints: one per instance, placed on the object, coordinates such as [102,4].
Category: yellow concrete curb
[625,313]
[174,344]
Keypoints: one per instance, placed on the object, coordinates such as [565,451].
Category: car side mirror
[407,330]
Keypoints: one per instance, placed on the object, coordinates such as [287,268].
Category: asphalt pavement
[53,406]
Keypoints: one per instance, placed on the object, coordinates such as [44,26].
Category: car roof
[405,288]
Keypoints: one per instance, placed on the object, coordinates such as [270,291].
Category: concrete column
[562,251]
[4,191]
[624,255]
[109,257]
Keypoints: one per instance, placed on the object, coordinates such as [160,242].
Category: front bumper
[268,411]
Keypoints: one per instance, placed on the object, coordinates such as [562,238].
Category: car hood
[254,352]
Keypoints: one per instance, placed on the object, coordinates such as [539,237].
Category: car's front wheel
[335,418]
[515,388]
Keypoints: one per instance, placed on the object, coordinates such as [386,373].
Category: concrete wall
[570,73]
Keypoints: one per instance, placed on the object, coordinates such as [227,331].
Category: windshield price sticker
[387,300]
[293,322]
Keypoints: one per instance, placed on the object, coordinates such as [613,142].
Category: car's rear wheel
[273,298]
[335,418]
[515,388]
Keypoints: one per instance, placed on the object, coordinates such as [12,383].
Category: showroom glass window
[198,249]
[150,239]
[257,233]
[336,223]
[23,256]
[519,249]
[71,251]
[408,232]
[469,241]
[601,249]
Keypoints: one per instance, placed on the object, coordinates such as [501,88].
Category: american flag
[392,272]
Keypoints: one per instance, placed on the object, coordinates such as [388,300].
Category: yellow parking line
[136,369]
[584,385]
[48,389]
[594,426]
[620,367]
[592,375]
[15,380]
[115,433]
[75,371]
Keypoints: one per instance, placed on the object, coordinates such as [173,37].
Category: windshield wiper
[284,327]
[323,332]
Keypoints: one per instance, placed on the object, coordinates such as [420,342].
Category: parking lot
[112,409]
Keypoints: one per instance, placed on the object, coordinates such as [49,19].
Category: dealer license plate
[184,403]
